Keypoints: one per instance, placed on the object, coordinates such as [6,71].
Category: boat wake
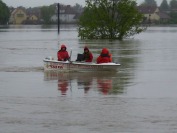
[21,69]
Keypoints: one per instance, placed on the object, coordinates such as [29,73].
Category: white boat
[54,65]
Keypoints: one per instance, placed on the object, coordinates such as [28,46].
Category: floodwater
[140,98]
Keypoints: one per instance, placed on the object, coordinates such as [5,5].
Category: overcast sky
[34,3]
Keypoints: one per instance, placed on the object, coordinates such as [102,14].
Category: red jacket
[101,59]
[89,57]
[104,57]
[62,55]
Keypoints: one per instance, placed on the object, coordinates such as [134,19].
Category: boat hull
[78,66]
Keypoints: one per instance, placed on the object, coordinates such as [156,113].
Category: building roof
[17,9]
[147,9]
[163,15]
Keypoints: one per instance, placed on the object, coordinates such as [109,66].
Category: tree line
[116,19]
[170,8]
[4,13]
[107,19]
[46,12]
[164,6]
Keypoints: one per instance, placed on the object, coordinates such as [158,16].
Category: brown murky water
[140,97]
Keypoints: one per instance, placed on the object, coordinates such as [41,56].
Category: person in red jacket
[104,57]
[88,57]
[63,54]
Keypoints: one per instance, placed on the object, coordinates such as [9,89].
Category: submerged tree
[109,19]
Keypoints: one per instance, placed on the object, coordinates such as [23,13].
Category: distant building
[21,15]
[67,15]
[152,14]
[18,16]
[163,17]
[33,16]
[32,19]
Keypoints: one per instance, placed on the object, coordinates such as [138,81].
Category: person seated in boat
[86,56]
[105,56]
[63,54]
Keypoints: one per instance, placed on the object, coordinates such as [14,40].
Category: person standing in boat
[87,55]
[105,56]
[63,54]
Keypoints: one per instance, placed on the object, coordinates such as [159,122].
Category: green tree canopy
[110,19]
[173,16]
[173,4]
[164,5]
[77,7]
[149,2]
[4,13]
[47,12]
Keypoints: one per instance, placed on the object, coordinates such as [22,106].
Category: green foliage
[164,6]
[46,13]
[77,7]
[4,13]
[173,4]
[173,16]
[107,19]
[151,2]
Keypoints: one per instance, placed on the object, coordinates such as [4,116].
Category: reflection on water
[140,98]
[63,86]
[104,85]
[84,81]
[103,82]
[26,51]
